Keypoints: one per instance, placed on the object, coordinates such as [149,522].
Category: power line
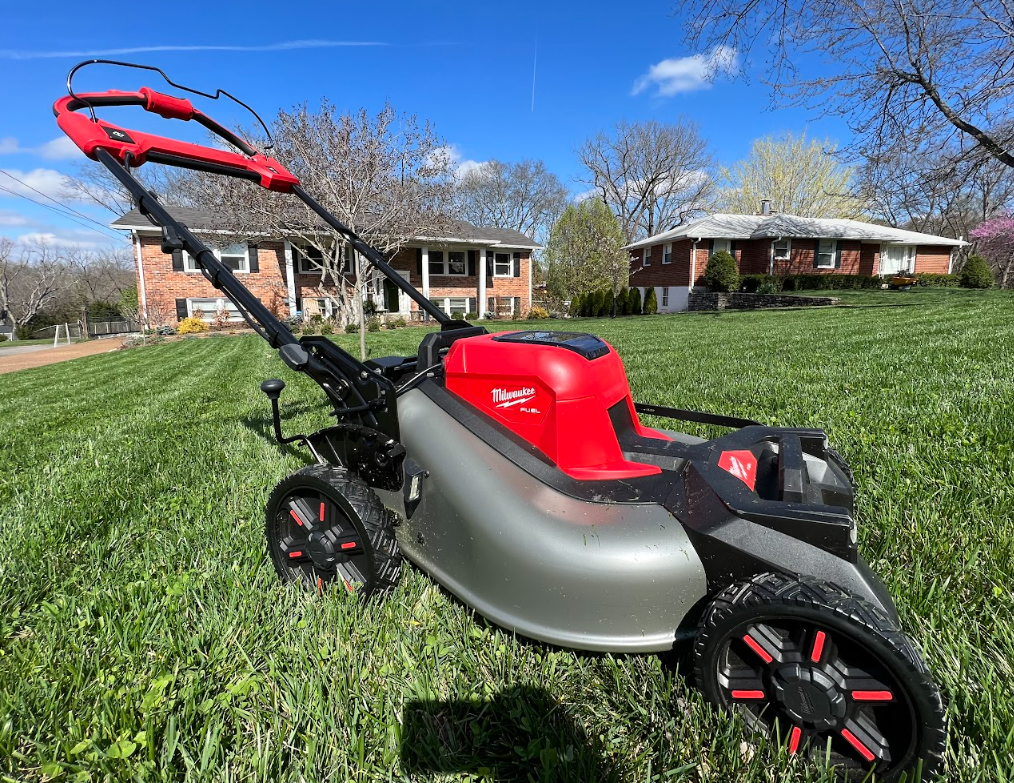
[58,212]
[44,195]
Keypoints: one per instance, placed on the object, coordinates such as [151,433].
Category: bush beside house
[976,273]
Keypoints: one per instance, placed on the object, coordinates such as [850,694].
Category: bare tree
[523,196]
[96,277]
[903,74]
[30,277]
[95,184]
[382,175]
[799,177]
[947,193]
[654,176]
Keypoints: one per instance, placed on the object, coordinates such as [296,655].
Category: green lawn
[143,634]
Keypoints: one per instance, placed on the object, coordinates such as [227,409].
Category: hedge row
[772,284]
[599,304]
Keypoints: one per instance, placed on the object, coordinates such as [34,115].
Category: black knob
[273,388]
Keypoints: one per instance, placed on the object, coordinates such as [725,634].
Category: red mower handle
[135,148]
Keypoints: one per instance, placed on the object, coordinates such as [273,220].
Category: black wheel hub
[817,686]
[810,696]
[316,539]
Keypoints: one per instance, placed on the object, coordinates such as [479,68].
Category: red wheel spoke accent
[856,743]
[863,735]
[739,695]
[757,647]
[295,516]
[295,554]
[322,511]
[795,739]
[818,646]
[880,696]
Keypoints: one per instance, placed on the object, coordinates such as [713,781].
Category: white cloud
[451,156]
[281,46]
[687,74]
[31,183]
[60,148]
[14,219]
[79,239]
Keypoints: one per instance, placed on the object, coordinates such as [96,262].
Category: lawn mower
[513,468]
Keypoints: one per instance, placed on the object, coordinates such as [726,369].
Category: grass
[144,636]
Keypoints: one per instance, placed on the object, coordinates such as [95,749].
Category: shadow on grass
[520,734]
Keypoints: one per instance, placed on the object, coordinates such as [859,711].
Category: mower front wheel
[827,672]
[325,526]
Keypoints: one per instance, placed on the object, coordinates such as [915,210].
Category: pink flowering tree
[995,241]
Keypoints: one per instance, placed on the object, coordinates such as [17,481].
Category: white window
[646,257]
[667,253]
[208,309]
[825,253]
[665,297]
[782,249]
[453,263]
[897,258]
[309,259]
[717,245]
[457,263]
[456,304]
[503,265]
[236,257]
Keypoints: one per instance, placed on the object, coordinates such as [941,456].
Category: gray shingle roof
[725,226]
[200,219]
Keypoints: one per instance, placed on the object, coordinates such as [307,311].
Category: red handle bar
[92,135]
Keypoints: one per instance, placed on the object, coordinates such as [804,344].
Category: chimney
[765,206]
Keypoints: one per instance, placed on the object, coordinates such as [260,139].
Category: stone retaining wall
[739,301]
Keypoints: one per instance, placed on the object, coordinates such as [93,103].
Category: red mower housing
[554,389]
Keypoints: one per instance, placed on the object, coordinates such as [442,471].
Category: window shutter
[181,308]
[489,264]
[517,305]
[732,247]
[255,263]
[178,262]
[418,261]
[816,254]
[837,254]
[471,263]
[711,247]
[517,265]
[471,305]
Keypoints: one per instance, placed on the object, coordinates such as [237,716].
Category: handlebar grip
[166,105]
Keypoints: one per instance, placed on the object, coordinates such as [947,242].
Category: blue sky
[468,67]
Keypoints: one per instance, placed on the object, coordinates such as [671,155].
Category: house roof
[726,226]
[205,220]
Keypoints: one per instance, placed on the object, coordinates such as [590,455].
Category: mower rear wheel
[824,670]
[325,526]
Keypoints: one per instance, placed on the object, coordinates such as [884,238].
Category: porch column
[290,278]
[482,284]
[426,277]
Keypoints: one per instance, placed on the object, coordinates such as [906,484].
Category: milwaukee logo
[507,398]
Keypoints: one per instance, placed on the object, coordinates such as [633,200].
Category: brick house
[673,262]
[282,274]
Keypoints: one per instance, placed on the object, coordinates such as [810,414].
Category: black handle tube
[217,273]
[374,256]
